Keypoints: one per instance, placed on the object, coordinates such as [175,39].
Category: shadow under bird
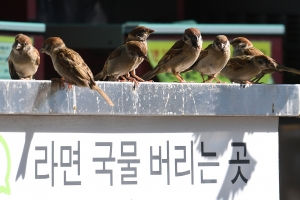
[180,57]
[212,59]
[243,46]
[241,69]
[70,66]
[24,58]
[125,59]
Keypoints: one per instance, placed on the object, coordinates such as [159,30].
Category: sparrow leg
[131,79]
[202,75]
[122,79]
[68,82]
[209,80]
[218,80]
[132,73]
[256,79]
[179,77]
[61,85]
[248,82]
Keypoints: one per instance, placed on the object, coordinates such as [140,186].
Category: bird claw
[134,81]
[61,85]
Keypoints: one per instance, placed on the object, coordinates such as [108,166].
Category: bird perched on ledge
[241,69]
[243,46]
[70,66]
[213,59]
[24,59]
[180,57]
[125,59]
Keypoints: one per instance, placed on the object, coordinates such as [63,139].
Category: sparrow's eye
[25,43]
[260,61]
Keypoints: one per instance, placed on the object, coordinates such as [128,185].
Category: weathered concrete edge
[149,99]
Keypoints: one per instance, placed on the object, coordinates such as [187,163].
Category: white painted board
[62,157]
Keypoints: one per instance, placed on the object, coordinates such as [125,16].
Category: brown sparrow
[125,59]
[241,69]
[213,58]
[242,46]
[139,33]
[180,57]
[70,66]
[24,59]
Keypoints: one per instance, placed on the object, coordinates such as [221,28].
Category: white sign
[142,165]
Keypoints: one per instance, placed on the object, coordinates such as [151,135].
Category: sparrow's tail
[99,76]
[287,69]
[104,95]
[152,73]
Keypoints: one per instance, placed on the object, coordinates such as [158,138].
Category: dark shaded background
[285,12]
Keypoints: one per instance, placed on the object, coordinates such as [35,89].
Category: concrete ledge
[149,99]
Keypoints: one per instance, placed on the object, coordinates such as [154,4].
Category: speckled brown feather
[71,66]
[12,71]
[175,50]
[72,61]
[111,67]
[135,49]
[249,49]
[24,60]
[242,69]
[180,56]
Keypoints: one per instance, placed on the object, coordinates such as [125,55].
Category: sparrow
[24,58]
[139,33]
[125,59]
[181,55]
[242,46]
[213,59]
[241,69]
[70,66]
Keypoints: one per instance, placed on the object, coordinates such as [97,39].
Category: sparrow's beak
[151,31]
[222,46]
[19,46]
[272,65]
[42,50]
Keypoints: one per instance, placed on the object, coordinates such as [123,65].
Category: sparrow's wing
[12,71]
[175,50]
[116,53]
[252,51]
[204,52]
[73,62]
[37,62]
[238,63]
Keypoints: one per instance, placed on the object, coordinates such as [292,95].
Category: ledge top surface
[149,99]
